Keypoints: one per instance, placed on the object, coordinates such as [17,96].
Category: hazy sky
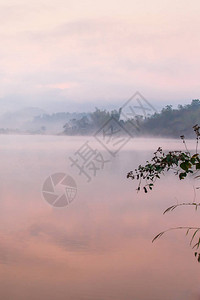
[61,53]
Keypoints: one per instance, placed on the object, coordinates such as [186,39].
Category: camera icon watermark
[59,189]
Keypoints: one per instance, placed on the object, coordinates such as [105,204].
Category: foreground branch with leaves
[182,163]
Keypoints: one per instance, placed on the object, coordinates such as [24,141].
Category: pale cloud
[87,50]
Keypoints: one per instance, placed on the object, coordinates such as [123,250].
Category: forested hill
[172,122]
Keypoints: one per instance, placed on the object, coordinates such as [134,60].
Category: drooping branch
[182,163]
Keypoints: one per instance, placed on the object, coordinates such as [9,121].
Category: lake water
[99,246]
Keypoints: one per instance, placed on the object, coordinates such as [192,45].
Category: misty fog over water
[99,246]
[88,92]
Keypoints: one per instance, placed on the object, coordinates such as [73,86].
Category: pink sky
[91,50]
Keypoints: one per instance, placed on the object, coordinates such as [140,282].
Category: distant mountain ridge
[170,122]
[35,120]
[16,119]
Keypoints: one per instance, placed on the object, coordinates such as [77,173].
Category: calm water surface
[99,246]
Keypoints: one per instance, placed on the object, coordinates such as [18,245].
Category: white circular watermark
[59,189]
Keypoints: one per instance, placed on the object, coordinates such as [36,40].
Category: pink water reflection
[99,247]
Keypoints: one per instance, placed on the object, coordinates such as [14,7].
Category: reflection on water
[98,247]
